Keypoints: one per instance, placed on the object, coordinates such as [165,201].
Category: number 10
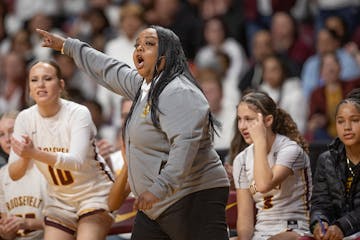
[62,176]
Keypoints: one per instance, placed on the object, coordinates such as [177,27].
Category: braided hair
[176,64]
[352,97]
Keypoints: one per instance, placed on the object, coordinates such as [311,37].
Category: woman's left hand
[24,148]
[145,201]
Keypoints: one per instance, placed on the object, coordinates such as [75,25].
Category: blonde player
[21,202]
[59,136]
[272,172]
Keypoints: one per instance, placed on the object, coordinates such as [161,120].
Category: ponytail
[285,125]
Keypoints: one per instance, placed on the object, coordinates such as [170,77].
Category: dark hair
[237,144]
[292,21]
[333,34]
[176,64]
[284,68]
[222,22]
[355,93]
[100,13]
[282,124]
[352,97]
[3,12]
[345,37]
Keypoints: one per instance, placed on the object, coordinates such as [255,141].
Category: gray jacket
[173,161]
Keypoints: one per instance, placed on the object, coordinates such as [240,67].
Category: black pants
[198,216]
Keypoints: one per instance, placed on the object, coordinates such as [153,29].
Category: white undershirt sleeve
[82,136]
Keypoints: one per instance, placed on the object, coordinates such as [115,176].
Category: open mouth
[245,135]
[140,61]
[41,93]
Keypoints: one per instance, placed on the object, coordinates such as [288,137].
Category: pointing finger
[42,32]
[50,40]
[46,37]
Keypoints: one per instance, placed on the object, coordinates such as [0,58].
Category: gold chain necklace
[351,171]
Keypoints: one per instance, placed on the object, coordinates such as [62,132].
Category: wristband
[62,48]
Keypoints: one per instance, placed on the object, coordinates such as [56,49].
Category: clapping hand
[10,226]
[24,148]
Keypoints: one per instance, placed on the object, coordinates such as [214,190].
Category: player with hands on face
[272,172]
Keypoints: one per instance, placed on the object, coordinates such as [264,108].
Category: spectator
[353,49]
[26,9]
[75,78]
[211,84]
[43,21]
[231,11]
[285,91]
[261,48]
[258,14]
[327,41]
[217,40]
[346,9]
[13,95]
[322,106]
[286,40]
[131,22]
[337,24]
[176,15]
[91,24]
[21,44]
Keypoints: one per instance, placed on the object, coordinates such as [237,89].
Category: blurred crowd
[303,53]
